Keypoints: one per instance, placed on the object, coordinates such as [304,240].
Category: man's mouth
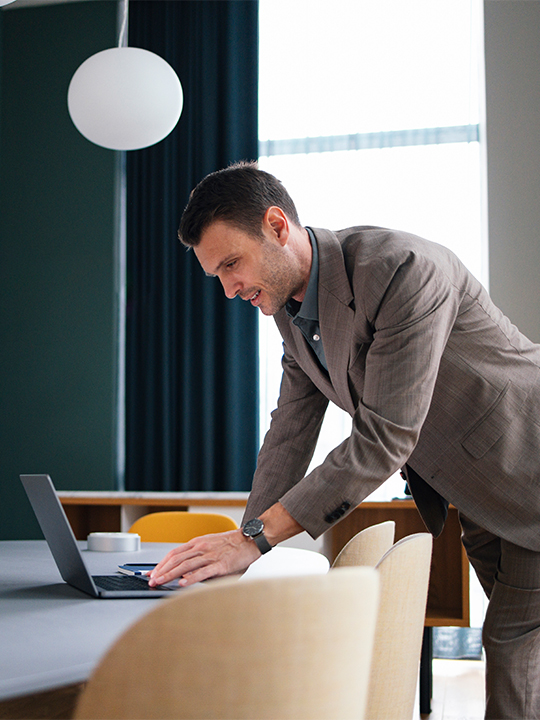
[253,298]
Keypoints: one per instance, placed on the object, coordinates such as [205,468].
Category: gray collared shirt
[306,314]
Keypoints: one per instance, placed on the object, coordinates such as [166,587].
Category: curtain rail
[366,141]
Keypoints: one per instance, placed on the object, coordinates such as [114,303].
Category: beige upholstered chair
[278,648]
[368,546]
[179,526]
[404,577]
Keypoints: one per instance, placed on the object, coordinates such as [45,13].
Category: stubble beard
[282,278]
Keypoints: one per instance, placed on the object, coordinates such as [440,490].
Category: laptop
[65,550]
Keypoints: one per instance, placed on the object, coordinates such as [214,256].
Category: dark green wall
[57,210]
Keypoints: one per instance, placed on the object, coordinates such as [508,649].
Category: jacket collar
[332,272]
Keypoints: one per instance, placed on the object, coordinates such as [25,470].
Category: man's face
[262,270]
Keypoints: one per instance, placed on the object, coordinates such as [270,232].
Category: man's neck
[305,255]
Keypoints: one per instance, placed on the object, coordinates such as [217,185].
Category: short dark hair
[240,194]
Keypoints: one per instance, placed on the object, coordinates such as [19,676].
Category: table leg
[426,672]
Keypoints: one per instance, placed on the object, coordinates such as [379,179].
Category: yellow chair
[368,546]
[404,577]
[180,526]
[287,648]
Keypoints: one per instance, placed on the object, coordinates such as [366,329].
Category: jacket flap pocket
[495,422]
[491,426]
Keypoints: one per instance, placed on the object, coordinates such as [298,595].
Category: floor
[458,690]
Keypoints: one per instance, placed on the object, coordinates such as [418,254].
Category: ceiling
[30,3]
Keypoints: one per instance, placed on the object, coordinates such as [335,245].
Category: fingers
[165,570]
[178,565]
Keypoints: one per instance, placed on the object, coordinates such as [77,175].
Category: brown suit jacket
[433,375]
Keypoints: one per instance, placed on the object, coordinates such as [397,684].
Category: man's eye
[231,265]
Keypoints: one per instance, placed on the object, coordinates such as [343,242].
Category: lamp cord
[121,39]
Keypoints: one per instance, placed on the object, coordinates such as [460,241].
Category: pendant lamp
[125,98]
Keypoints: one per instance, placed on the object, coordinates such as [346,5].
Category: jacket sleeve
[290,442]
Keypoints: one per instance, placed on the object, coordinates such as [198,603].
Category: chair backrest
[180,526]
[404,576]
[368,546]
[288,648]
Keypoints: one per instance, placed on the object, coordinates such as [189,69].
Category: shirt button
[316,338]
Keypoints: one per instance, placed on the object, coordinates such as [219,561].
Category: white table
[53,635]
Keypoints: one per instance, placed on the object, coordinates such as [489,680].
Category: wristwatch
[254,529]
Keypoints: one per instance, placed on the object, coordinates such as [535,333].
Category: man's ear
[278,223]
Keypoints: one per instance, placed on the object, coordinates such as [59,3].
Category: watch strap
[262,543]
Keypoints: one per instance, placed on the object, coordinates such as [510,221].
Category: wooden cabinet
[117,511]
[448,596]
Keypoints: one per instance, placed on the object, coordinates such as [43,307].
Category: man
[398,333]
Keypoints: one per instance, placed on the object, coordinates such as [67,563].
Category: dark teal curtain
[192,355]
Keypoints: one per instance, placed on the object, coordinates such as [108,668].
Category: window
[369,114]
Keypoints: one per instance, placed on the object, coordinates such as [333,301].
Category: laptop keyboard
[122,582]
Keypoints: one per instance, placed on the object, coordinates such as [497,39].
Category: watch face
[253,527]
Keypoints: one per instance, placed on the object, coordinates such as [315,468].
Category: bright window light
[352,67]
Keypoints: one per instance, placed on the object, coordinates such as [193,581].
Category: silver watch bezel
[254,529]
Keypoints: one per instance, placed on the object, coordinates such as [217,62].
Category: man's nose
[231,288]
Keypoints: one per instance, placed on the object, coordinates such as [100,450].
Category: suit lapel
[336,315]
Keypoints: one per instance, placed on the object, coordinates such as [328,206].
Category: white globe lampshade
[125,98]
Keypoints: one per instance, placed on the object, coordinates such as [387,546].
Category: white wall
[512,47]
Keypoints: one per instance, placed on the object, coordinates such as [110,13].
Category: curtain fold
[191,354]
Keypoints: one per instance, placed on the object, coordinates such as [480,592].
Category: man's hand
[206,557]
[225,553]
